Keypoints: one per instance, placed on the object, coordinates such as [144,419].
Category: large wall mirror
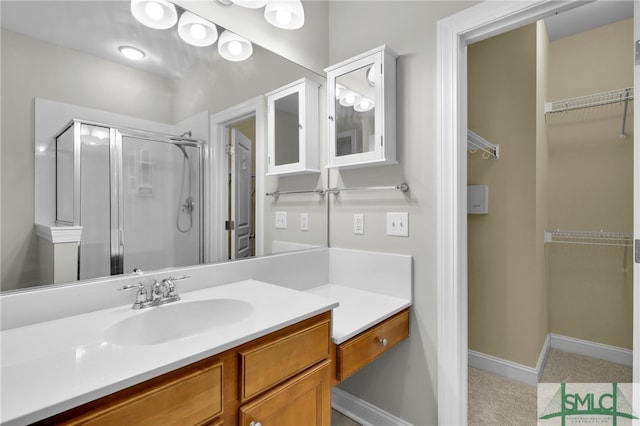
[144,170]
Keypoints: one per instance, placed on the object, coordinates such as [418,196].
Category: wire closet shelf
[615,239]
[476,142]
[596,99]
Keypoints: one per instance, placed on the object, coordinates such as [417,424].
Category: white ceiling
[586,17]
[99,28]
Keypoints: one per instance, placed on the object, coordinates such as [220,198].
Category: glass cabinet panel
[286,130]
[292,123]
[361,110]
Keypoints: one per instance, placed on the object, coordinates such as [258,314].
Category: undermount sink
[169,322]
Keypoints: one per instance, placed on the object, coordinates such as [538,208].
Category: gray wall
[404,381]
[63,75]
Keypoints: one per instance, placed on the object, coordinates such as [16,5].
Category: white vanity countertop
[358,310]
[50,367]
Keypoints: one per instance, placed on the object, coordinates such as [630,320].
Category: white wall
[403,382]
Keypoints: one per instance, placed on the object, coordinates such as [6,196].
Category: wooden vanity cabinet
[281,379]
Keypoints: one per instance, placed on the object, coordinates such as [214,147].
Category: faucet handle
[178,278]
[139,285]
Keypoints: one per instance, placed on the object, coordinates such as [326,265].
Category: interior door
[241,195]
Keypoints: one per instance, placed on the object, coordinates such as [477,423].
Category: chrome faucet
[161,292]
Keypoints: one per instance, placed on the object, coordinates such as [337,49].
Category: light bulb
[365,104]
[349,99]
[198,31]
[154,10]
[235,47]
[283,16]
[338,92]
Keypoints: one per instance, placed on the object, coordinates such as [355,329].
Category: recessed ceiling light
[131,53]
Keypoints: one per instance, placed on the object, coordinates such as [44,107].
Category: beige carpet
[496,400]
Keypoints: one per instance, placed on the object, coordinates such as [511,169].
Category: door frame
[219,172]
[454,33]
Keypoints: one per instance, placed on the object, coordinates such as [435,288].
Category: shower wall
[157,180]
[591,187]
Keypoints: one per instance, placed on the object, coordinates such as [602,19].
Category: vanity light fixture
[350,98]
[339,91]
[285,14]
[364,104]
[251,4]
[131,53]
[196,30]
[371,76]
[158,14]
[232,47]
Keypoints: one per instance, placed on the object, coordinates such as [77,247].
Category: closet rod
[597,99]
[617,239]
[276,194]
[476,142]
[403,187]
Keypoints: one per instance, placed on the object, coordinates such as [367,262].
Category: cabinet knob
[331,117]
[255,424]
[382,341]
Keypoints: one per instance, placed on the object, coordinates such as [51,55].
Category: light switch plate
[398,224]
[281,220]
[304,221]
[358,224]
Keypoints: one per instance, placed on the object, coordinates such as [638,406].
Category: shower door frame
[116,133]
[117,188]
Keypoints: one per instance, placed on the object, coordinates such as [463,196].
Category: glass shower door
[160,204]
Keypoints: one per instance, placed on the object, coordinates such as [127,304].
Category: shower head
[184,151]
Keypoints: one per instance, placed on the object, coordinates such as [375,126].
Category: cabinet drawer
[358,351]
[195,398]
[267,365]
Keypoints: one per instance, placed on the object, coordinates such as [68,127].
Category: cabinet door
[361,110]
[292,123]
[303,400]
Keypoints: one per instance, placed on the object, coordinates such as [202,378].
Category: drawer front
[192,399]
[303,400]
[358,351]
[267,365]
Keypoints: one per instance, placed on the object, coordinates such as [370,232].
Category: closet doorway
[475,24]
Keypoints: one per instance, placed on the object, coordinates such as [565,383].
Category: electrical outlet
[304,221]
[358,224]
[398,224]
[281,220]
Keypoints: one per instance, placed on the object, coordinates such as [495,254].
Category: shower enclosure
[136,194]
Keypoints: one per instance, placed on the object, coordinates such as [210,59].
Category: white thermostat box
[477,199]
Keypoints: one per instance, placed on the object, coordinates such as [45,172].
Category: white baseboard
[592,349]
[361,411]
[542,359]
[503,367]
[531,376]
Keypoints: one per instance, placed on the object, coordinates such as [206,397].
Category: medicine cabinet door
[293,129]
[361,108]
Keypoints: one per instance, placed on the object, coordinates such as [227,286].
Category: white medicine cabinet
[361,106]
[292,122]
